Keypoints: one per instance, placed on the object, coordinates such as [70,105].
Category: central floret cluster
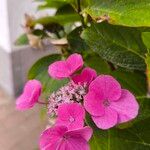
[69,93]
[99,95]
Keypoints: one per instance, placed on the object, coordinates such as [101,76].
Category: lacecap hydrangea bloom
[99,95]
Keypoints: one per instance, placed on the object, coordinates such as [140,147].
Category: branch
[79,12]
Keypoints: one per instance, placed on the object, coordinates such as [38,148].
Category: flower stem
[147,61]
[42,103]
[79,12]
[141,97]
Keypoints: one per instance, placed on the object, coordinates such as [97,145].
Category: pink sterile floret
[71,115]
[108,104]
[63,69]
[87,76]
[30,95]
[59,138]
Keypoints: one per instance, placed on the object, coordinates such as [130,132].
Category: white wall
[4,26]
[16,11]
[12,17]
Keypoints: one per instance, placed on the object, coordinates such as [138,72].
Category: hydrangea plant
[97,87]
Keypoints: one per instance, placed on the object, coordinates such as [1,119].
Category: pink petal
[108,120]
[87,76]
[71,115]
[77,139]
[32,86]
[21,103]
[64,69]
[107,86]
[78,123]
[74,143]
[51,136]
[75,62]
[93,103]
[59,70]
[126,107]
[52,146]
[30,95]
[85,133]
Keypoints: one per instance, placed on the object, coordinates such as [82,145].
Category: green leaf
[120,45]
[66,9]
[135,137]
[39,71]
[75,42]
[83,3]
[133,81]
[51,4]
[60,19]
[22,40]
[96,62]
[146,39]
[121,12]
[144,112]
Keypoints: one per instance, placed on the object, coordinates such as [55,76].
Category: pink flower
[30,95]
[87,76]
[108,104]
[59,138]
[63,69]
[71,115]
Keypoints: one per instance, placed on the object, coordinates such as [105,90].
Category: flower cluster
[69,93]
[99,95]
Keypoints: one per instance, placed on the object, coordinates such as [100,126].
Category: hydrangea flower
[65,68]
[30,95]
[87,76]
[108,104]
[71,115]
[59,138]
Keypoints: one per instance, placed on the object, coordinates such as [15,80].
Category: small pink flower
[87,76]
[71,115]
[64,69]
[30,95]
[108,104]
[59,138]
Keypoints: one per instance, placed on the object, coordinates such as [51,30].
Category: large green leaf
[75,42]
[96,62]
[136,137]
[120,45]
[133,81]
[122,12]
[146,39]
[39,71]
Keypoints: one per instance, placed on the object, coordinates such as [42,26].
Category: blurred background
[32,29]
[18,130]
